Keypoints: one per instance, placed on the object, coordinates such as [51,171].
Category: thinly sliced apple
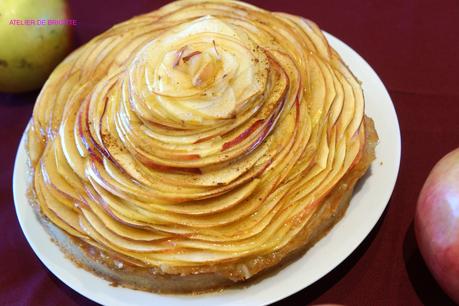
[199,136]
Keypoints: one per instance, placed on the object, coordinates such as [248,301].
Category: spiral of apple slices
[205,132]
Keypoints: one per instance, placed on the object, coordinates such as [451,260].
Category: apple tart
[197,146]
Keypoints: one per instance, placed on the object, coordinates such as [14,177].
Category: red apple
[437,223]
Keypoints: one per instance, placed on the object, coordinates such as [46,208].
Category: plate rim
[19,196]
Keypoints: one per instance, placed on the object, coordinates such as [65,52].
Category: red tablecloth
[412,44]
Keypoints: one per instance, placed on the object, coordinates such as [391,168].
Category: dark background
[414,47]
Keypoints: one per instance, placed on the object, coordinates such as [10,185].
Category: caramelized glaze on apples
[202,133]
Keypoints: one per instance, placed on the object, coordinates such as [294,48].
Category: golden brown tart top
[203,132]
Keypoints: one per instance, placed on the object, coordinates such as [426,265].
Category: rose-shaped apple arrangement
[208,138]
[437,223]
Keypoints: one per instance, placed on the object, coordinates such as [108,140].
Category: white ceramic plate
[368,203]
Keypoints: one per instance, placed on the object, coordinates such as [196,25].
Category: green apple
[30,48]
